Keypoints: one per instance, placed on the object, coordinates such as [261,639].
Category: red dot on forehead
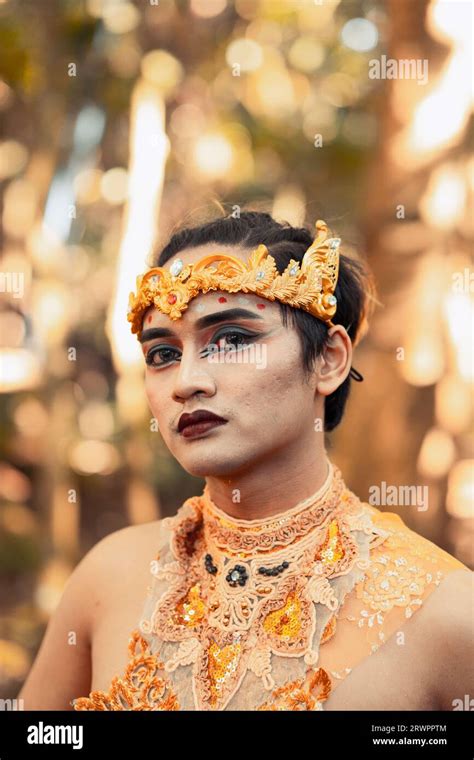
[149,319]
[222,299]
[260,306]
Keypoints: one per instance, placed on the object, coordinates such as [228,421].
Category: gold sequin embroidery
[286,621]
[329,630]
[190,610]
[301,694]
[332,550]
[141,688]
[222,664]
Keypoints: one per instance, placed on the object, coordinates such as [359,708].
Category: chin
[212,465]
[207,468]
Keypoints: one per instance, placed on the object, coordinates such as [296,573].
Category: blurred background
[120,121]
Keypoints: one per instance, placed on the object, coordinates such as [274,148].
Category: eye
[232,337]
[163,353]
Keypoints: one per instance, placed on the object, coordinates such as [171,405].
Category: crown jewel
[308,285]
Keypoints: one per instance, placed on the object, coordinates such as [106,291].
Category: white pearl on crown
[176,267]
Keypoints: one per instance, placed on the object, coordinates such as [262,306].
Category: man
[276,588]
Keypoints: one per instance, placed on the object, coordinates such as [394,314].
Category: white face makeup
[199,306]
[267,409]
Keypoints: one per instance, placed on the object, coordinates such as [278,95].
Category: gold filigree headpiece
[308,285]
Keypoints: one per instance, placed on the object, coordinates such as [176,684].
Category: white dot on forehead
[243,300]
[197,307]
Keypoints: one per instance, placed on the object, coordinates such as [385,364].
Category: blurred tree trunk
[394,246]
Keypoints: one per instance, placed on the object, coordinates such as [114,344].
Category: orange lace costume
[271,614]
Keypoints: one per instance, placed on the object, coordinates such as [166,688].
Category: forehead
[214,300]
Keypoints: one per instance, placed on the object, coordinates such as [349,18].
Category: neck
[285,479]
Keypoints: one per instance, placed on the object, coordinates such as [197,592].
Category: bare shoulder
[449,622]
[118,565]
[125,547]
[99,583]
[451,605]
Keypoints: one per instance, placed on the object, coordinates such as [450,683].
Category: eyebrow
[200,324]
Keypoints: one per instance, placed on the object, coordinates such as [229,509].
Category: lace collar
[248,538]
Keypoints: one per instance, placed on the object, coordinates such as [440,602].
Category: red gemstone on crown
[172,298]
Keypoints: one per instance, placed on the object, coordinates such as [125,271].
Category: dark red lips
[201,415]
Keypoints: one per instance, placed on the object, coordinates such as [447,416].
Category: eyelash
[220,334]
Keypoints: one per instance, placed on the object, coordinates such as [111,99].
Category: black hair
[285,242]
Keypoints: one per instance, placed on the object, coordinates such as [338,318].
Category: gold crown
[308,285]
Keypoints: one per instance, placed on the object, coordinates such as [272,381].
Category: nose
[194,375]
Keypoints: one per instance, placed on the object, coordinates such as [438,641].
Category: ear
[335,361]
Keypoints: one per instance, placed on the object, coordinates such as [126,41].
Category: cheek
[285,388]
[273,391]
[155,394]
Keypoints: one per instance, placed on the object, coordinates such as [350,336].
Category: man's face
[259,389]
